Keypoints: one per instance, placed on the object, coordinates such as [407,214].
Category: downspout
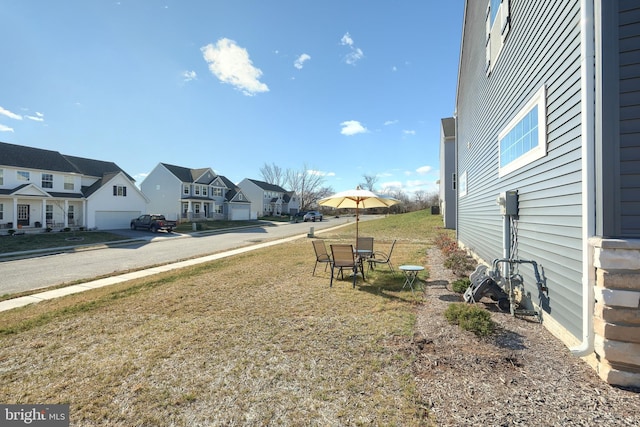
[587,77]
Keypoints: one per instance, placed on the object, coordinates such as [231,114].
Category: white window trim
[540,150]
[462,184]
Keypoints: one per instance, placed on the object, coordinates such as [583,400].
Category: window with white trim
[185,189]
[23,176]
[196,189]
[49,214]
[69,183]
[524,139]
[498,24]
[463,184]
[217,208]
[1,176]
[47,180]
[1,210]
[71,214]
[120,190]
[216,191]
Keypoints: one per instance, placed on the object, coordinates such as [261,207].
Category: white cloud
[422,170]
[320,173]
[390,122]
[355,54]
[230,63]
[346,40]
[37,118]
[352,127]
[394,68]
[409,132]
[299,63]
[4,128]
[10,114]
[189,75]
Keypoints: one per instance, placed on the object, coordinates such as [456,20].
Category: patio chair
[343,257]
[322,255]
[364,246]
[382,258]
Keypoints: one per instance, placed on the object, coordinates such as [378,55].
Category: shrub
[470,318]
[459,262]
[461,285]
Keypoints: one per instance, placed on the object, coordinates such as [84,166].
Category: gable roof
[97,168]
[34,158]
[21,156]
[187,174]
[266,186]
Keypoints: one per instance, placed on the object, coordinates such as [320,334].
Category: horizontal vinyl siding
[542,48]
[629,84]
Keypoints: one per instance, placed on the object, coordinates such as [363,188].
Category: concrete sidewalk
[108,281]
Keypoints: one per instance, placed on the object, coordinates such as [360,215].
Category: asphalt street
[42,271]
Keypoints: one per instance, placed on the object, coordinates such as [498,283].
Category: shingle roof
[267,186]
[33,158]
[185,174]
[49,160]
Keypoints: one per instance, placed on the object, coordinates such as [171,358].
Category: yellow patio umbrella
[358,199]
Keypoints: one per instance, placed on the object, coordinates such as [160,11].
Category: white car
[312,216]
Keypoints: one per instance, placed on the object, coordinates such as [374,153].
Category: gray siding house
[548,115]
[186,194]
[448,180]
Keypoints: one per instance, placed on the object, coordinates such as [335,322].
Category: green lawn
[254,339]
[26,242]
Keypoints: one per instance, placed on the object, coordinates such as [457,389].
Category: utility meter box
[508,202]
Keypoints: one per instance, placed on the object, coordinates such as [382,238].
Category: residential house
[548,164]
[448,172]
[185,194]
[43,188]
[269,199]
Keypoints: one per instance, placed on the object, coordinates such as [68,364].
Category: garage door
[239,214]
[114,220]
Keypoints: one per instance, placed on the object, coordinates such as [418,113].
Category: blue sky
[342,87]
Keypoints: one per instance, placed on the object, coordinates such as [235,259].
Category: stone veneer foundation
[616,319]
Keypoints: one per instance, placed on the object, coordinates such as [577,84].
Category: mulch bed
[522,375]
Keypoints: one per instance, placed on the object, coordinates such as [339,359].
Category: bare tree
[370,182]
[308,185]
[273,174]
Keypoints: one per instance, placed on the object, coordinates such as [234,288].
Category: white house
[43,188]
[269,199]
[185,194]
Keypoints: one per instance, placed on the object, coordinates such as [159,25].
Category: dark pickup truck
[153,223]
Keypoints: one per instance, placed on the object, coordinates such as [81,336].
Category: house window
[218,209]
[47,180]
[196,190]
[453,181]
[185,208]
[1,211]
[23,176]
[240,196]
[71,214]
[216,191]
[120,190]
[524,139]
[49,214]
[185,189]
[196,208]
[1,177]
[204,190]
[463,184]
[68,183]
[498,24]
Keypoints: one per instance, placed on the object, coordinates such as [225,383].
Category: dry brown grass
[249,340]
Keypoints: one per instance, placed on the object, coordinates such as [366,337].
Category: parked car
[153,223]
[312,216]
